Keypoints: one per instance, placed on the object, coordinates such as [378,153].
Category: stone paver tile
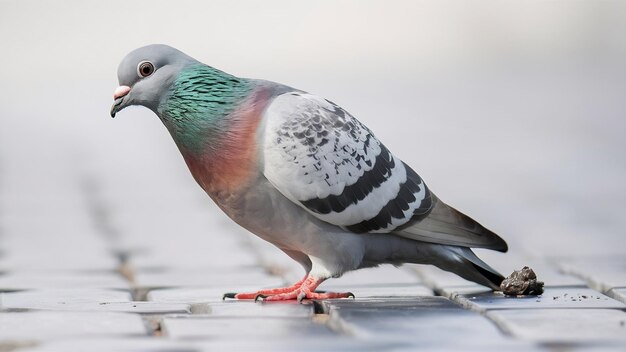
[380,276]
[32,204]
[138,307]
[35,326]
[599,346]
[391,290]
[59,298]
[57,259]
[439,279]
[21,227]
[562,325]
[158,344]
[195,295]
[421,322]
[233,328]
[311,343]
[602,273]
[475,345]
[183,239]
[618,294]
[551,275]
[186,260]
[63,251]
[260,309]
[230,280]
[453,291]
[212,248]
[60,279]
[274,260]
[389,303]
[86,301]
[553,297]
[115,344]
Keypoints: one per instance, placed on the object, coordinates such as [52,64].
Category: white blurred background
[512,111]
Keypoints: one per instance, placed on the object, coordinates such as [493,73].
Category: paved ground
[512,113]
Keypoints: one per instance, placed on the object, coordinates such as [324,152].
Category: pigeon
[302,173]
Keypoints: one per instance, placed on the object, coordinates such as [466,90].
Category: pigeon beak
[118,95]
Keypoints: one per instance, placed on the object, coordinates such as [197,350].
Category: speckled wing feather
[326,161]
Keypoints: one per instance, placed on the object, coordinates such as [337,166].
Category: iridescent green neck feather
[198,105]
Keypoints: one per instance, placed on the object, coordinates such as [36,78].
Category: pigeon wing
[326,161]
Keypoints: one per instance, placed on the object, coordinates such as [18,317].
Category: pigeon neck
[197,108]
[231,164]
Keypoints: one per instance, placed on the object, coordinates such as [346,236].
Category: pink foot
[306,291]
[303,289]
[265,292]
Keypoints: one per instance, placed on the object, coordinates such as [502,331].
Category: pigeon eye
[145,68]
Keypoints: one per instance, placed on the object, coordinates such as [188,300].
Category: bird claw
[229,295]
[260,297]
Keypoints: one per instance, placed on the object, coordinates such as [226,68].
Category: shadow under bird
[302,173]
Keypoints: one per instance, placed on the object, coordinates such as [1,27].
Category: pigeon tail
[464,262]
[446,225]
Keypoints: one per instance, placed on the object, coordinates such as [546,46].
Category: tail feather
[463,262]
[494,277]
[446,225]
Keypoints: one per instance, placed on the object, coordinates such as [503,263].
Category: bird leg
[303,289]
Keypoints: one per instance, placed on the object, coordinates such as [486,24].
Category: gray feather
[446,225]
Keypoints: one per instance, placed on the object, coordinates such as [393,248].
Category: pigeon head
[145,74]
